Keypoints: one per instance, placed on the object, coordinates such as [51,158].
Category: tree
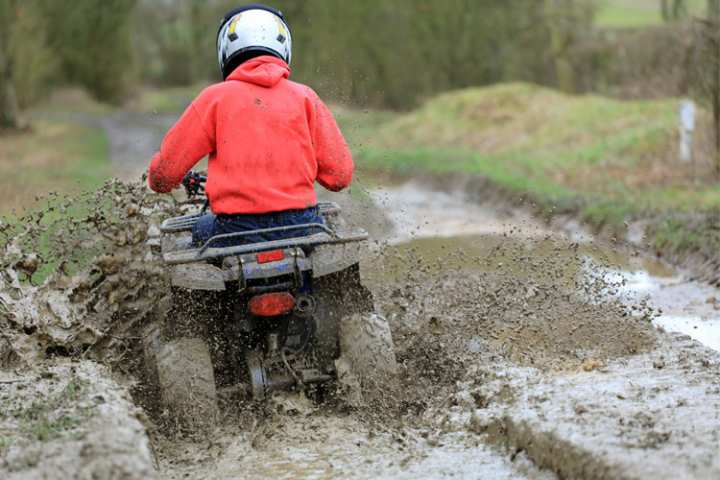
[93,41]
[9,111]
[712,33]
[707,68]
[675,11]
[378,52]
[564,19]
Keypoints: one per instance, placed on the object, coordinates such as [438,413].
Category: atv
[261,317]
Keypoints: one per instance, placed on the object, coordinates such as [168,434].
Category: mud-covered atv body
[266,316]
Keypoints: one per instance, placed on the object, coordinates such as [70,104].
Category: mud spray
[477,334]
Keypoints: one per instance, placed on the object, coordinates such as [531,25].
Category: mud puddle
[432,223]
[684,306]
[417,212]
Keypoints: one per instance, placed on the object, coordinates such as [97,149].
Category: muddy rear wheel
[337,295]
[367,362]
[187,383]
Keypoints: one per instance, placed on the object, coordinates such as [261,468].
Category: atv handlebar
[194,183]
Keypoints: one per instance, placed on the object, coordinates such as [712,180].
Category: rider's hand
[193,183]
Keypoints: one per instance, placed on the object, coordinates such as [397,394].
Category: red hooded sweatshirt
[269,140]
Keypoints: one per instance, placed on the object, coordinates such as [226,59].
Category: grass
[55,156]
[688,234]
[607,160]
[637,13]
[65,152]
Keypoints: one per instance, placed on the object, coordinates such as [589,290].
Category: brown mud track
[514,365]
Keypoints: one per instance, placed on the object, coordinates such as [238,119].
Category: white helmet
[251,30]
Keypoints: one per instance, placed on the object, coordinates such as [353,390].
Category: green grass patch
[42,174]
[675,235]
[53,157]
[607,160]
[637,13]
[359,126]
[688,234]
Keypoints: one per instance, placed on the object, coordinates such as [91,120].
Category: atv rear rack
[185,223]
[247,233]
[323,235]
[207,252]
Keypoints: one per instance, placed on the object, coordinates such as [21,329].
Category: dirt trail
[488,332]
[522,354]
[134,137]
[454,325]
[317,443]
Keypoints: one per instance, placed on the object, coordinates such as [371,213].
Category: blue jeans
[210,225]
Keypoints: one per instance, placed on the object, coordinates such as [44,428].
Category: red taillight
[271,304]
[271,256]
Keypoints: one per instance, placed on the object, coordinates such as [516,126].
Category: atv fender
[197,276]
[333,258]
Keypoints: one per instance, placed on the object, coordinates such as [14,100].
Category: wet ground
[477,386]
[526,351]
[436,222]
[451,220]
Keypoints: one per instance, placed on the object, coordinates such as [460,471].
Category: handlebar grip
[194,183]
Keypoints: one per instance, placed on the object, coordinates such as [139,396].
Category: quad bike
[265,316]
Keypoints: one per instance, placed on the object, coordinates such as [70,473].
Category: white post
[687,126]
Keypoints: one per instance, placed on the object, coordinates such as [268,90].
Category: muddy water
[432,223]
[685,306]
[317,444]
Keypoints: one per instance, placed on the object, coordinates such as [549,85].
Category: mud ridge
[646,416]
[70,420]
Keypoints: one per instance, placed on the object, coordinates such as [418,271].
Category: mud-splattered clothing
[268,140]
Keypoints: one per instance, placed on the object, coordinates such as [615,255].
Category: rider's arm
[187,142]
[335,163]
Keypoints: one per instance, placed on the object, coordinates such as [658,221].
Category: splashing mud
[473,325]
[75,278]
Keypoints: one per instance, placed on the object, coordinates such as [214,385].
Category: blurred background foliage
[377,53]
[395,60]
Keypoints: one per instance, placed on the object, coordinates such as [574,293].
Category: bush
[93,42]
[34,65]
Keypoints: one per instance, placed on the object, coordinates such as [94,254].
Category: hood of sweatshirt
[265,71]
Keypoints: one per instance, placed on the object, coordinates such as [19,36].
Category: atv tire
[337,295]
[367,358]
[187,383]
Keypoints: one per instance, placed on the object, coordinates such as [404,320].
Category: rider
[268,138]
